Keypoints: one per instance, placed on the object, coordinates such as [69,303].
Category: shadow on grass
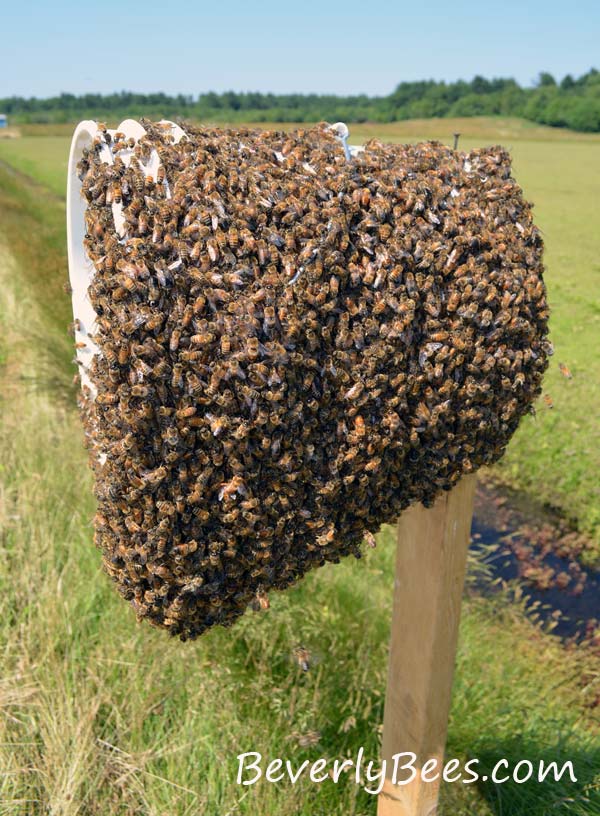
[575,792]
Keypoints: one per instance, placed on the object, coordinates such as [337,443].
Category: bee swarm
[293,349]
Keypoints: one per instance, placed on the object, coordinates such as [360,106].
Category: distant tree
[480,85]
[591,78]
[231,100]
[567,83]
[585,116]
[545,80]
[476,104]
[575,103]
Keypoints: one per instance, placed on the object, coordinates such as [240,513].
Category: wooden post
[430,570]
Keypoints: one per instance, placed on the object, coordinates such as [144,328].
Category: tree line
[573,103]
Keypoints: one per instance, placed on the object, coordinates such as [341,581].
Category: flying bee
[302,657]
[565,371]
[307,740]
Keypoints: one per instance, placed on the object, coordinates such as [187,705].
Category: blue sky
[327,47]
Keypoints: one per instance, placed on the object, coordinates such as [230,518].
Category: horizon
[195,95]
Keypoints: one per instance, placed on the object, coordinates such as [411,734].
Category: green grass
[47,166]
[104,717]
[557,455]
[33,222]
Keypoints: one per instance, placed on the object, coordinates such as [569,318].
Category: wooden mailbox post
[430,571]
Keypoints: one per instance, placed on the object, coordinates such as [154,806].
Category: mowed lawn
[556,455]
[103,717]
[42,158]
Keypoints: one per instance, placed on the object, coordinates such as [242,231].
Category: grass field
[48,166]
[102,717]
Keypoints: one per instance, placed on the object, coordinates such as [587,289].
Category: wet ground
[543,555]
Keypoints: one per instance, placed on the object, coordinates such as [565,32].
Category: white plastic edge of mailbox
[81,268]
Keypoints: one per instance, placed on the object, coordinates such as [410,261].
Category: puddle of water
[577,605]
[543,560]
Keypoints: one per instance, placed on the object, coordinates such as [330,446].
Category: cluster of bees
[293,349]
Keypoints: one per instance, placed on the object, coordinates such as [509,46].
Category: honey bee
[230,488]
[565,371]
[185,413]
[261,600]
[212,247]
[354,392]
[359,426]
[204,339]
[233,238]
[252,348]
[107,399]
[453,302]
[156,476]
[308,739]
[185,549]
[370,540]
[302,657]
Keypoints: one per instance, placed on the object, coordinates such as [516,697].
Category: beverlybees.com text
[371,775]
